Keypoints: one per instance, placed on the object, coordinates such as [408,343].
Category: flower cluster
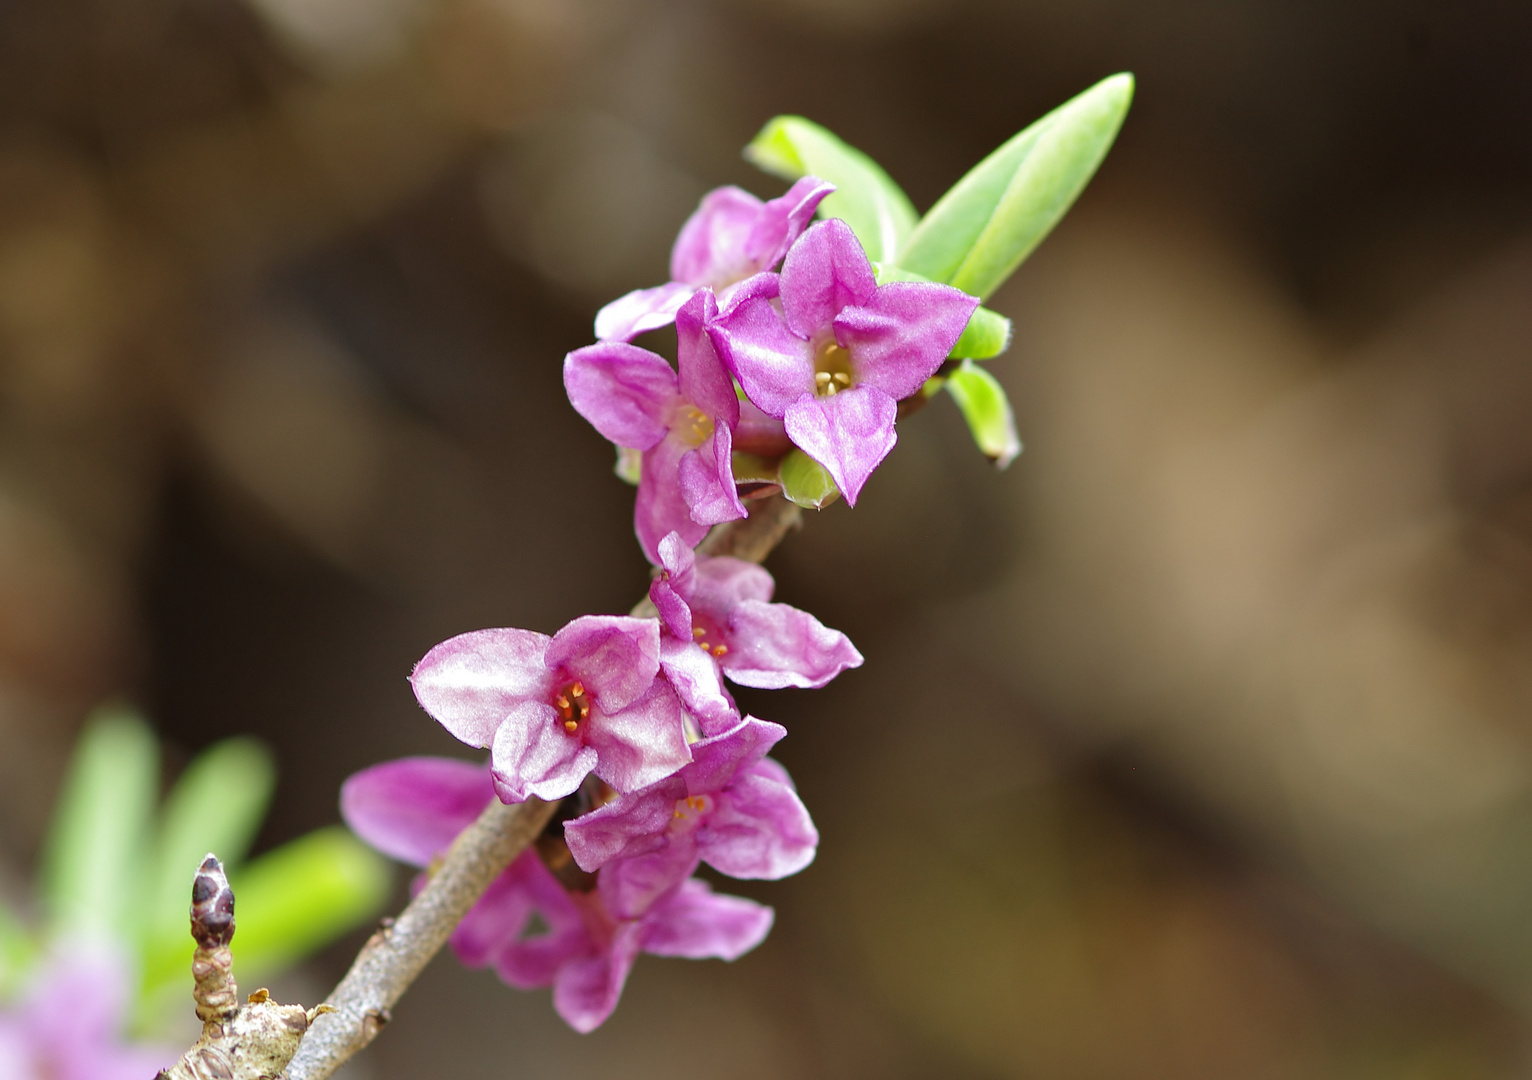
[627,719]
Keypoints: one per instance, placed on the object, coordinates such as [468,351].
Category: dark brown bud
[212,907]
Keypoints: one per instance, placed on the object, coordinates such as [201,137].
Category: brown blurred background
[1198,744]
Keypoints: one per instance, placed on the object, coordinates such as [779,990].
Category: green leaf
[216,806]
[96,844]
[630,465]
[865,197]
[302,896]
[987,335]
[805,481]
[984,405]
[17,949]
[982,229]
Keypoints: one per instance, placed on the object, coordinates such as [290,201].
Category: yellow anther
[562,702]
[578,689]
[697,631]
[720,650]
[571,725]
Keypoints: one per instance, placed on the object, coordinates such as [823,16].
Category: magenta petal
[695,923]
[498,918]
[706,476]
[901,336]
[772,646]
[848,433]
[661,506]
[641,310]
[825,271]
[773,365]
[412,809]
[627,393]
[693,672]
[710,249]
[629,887]
[615,656]
[669,591]
[470,682]
[759,829]
[783,219]
[534,755]
[535,960]
[628,826]
[586,991]
[703,379]
[641,744]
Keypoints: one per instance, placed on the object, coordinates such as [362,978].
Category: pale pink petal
[706,476]
[641,310]
[498,918]
[628,826]
[629,887]
[693,672]
[773,365]
[641,744]
[669,591]
[783,219]
[759,829]
[772,646]
[710,249]
[661,507]
[628,394]
[615,656]
[724,582]
[534,755]
[469,683]
[586,991]
[703,379]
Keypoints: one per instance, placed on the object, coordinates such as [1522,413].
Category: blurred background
[1197,744]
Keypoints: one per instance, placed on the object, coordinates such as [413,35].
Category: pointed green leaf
[984,405]
[805,481]
[865,197]
[987,335]
[216,805]
[96,843]
[302,896]
[16,950]
[982,229]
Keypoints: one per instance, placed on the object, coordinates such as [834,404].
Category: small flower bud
[212,907]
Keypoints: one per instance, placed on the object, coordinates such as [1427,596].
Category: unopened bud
[212,907]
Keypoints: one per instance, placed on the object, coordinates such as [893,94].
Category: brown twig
[400,950]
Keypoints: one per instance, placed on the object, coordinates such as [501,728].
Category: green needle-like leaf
[216,805]
[865,197]
[96,844]
[990,220]
[303,895]
[805,481]
[988,411]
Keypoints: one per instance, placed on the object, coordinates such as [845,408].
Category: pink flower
[68,1025]
[731,236]
[719,619]
[552,710]
[683,422]
[732,808]
[413,808]
[832,352]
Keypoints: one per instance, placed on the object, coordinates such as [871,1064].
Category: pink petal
[641,744]
[703,380]
[825,271]
[628,826]
[773,365]
[661,506]
[469,683]
[693,672]
[629,887]
[710,249]
[772,646]
[783,219]
[615,656]
[759,829]
[412,809]
[695,923]
[900,337]
[706,476]
[848,433]
[717,760]
[641,310]
[627,393]
[497,920]
[724,582]
[534,755]
[586,991]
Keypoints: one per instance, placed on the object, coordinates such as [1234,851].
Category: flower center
[832,369]
[692,425]
[572,705]
[708,637]
[690,811]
